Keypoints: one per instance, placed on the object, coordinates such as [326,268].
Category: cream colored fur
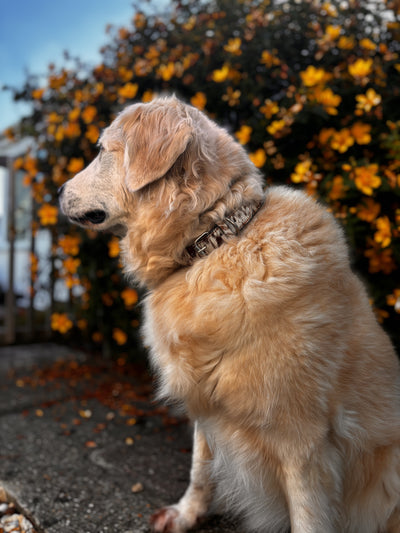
[269,342]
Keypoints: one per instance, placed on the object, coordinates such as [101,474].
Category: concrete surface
[75,458]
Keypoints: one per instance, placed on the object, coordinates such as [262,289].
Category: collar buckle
[201,247]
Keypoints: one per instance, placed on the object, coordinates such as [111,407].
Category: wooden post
[10,303]
[30,318]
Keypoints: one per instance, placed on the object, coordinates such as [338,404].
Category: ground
[83,448]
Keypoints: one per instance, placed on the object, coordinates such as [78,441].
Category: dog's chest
[210,361]
[195,343]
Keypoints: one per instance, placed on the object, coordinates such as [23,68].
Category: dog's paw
[170,520]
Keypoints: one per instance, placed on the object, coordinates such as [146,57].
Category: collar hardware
[230,226]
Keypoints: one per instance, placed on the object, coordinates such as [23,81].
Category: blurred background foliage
[310,88]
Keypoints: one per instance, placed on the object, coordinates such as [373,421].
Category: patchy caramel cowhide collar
[231,226]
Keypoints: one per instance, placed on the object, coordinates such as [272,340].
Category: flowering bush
[309,88]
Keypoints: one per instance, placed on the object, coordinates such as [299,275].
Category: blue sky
[34,33]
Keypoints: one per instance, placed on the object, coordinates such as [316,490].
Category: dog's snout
[96,216]
[60,190]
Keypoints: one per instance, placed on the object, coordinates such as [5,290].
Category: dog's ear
[153,144]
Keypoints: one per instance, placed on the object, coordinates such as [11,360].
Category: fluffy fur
[269,342]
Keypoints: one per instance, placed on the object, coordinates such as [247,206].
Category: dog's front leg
[313,489]
[194,503]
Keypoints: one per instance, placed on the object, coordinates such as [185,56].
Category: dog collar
[229,227]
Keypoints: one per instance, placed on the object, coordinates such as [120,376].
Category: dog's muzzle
[94,216]
[97,216]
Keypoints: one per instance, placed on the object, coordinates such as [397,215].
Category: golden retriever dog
[256,325]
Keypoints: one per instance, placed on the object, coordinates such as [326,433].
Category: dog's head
[164,173]
[139,147]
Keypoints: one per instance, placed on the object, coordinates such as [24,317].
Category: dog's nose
[60,190]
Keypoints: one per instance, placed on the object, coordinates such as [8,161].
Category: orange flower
[71,130]
[269,108]
[130,296]
[338,188]
[59,133]
[92,133]
[383,235]
[269,60]
[73,115]
[34,261]
[346,43]
[199,100]
[333,32]
[243,135]
[18,163]
[313,76]
[276,126]
[342,140]
[30,165]
[369,210]
[367,44]
[258,158]
[380,260]
[75,165]
[53,118]
[60,322]
[326,135]
[9,133]
[123,33]
[89,113]
[361,133]
[128,91]
[56,82]
[329,9]
[70,244]
[113,247]
[365,102]
[147,96]
[71,265]
[140,21]
[302,172]
[360,68]
[233,46]
[38,93]
[70,281]
[329,100]
[119,336]
[221,74]
[48,214]
[231,96]
[167,71]
[190,24]
[366,179]
[125,74]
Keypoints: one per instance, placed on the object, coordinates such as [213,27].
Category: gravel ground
[84,449]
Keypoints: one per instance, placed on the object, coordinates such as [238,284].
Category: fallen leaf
[137,487]
[85,413]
